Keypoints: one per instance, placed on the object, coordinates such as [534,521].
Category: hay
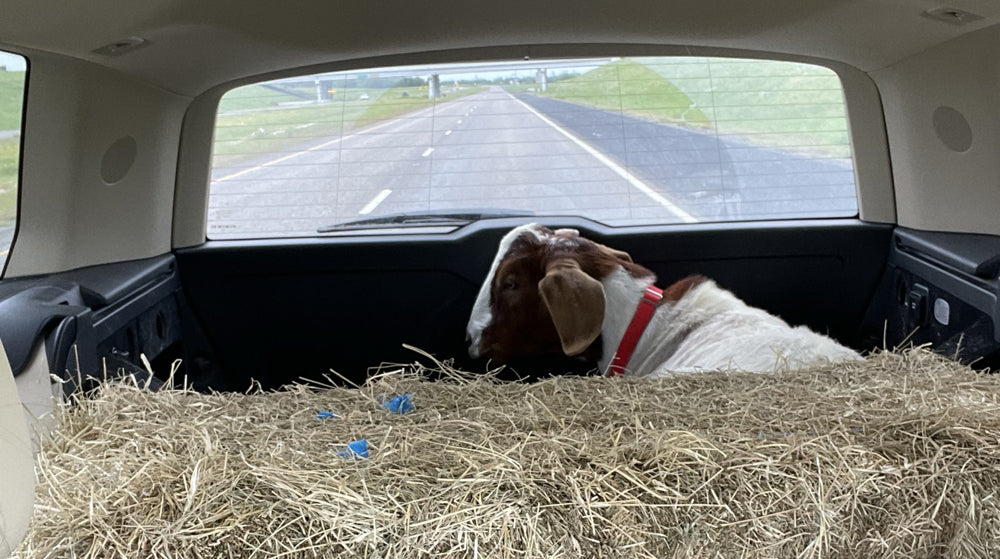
[895,457]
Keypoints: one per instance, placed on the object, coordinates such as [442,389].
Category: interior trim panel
[277,310]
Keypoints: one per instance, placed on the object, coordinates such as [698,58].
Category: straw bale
[898,456]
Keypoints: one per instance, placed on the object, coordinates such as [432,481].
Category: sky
[468,71]
[12,61]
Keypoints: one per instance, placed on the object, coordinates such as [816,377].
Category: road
[497,150]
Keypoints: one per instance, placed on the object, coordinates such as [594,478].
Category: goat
[555,291]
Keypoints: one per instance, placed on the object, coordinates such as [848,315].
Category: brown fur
[575,302]
[515,290]
[678,289]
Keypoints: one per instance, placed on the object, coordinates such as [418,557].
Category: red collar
[643,313]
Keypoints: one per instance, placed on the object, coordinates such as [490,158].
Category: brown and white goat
[551,291]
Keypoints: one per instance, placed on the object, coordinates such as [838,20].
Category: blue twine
[399,404]
[356,449]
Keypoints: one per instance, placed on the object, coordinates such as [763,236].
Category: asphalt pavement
[524,152]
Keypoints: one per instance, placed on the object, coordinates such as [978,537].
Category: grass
[8,180]
[246,133]
[394,103]
[11,104]
[11,99]
[768,103]
[253,97]
[238,136]
[633,88]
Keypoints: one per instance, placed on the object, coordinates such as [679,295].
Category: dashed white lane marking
[378,199]
[428,152]
[298,153]
[618,169]
[447,133]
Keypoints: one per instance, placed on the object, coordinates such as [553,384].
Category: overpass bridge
[431,74]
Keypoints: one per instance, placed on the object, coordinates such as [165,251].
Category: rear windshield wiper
[456,218]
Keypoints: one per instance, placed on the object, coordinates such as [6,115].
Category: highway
[498,150]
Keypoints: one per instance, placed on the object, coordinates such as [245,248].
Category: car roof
[189,46]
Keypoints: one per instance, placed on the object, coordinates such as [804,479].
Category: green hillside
[11,99]
[8,180]
[766,102]
[253,97]
[11,103]
[631,87]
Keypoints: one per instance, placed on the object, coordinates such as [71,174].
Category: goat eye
[509,284]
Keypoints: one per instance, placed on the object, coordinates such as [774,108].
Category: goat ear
[575,302]
[620,254]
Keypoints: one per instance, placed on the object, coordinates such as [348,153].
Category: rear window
[622,141]
[13,69]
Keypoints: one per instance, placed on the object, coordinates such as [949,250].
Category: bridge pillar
[542,79]
[434,86]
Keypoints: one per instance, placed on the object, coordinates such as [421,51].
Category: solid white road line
[428,152]
[378,199]
[303,152]
[671,206]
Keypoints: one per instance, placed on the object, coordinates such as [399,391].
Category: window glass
[13,69]
[623,141]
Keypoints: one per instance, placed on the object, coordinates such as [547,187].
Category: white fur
[482,313]
[709,328]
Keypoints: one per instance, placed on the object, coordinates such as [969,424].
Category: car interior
[133,236]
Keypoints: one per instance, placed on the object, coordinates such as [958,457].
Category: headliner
[197,44]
